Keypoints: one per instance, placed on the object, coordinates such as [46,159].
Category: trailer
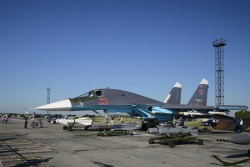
[175,139]
[113,132]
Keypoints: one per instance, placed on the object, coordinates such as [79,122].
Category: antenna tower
[219,44]
[48,97]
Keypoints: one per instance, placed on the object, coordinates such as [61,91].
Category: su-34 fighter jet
[114,100]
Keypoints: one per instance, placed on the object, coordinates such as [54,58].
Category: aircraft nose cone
[64,105]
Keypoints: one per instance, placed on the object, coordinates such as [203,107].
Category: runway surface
[52,146]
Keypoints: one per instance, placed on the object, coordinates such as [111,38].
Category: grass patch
[192,123]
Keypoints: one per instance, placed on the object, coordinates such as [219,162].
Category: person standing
[34,117]
[6,118]
[26,120]
[112,119]
[121,120]
[241,125]
[237,125]
[106,119]
[182,122]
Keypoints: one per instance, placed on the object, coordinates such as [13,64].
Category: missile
[152,130]
[241,139]
[178,130]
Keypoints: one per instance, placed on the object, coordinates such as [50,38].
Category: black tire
[151,141]
[171,144]
[131,133]
[144,127]
[33,124]
[200,142]
[248,153]
[69,128]
[65,128]
[86,127]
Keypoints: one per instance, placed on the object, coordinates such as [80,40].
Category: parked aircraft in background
[114,100]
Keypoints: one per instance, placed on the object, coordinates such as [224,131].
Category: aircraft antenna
[219,44]
[48,98]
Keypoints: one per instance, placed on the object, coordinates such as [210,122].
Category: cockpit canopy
[93,93]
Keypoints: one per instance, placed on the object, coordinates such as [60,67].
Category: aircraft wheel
[144,127]
[200,142]
[151,141]
[130,133]
[70,128]
[171,144]
[249,153]
[86,127]
[65,128]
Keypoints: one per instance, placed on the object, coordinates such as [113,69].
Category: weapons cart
[172,136]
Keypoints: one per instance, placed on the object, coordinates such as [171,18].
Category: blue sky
[143,46]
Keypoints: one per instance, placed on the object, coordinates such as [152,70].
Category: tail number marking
[103,101]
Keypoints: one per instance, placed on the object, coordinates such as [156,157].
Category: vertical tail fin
[199,97]
[174,96]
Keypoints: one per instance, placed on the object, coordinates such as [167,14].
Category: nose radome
[64,105]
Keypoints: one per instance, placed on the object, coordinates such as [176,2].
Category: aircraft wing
[188,107]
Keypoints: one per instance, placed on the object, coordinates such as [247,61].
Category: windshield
[92,93]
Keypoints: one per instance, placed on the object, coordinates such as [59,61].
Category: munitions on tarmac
[241,139]
[171,130]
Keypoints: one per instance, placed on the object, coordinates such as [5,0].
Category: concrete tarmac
[52,146]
